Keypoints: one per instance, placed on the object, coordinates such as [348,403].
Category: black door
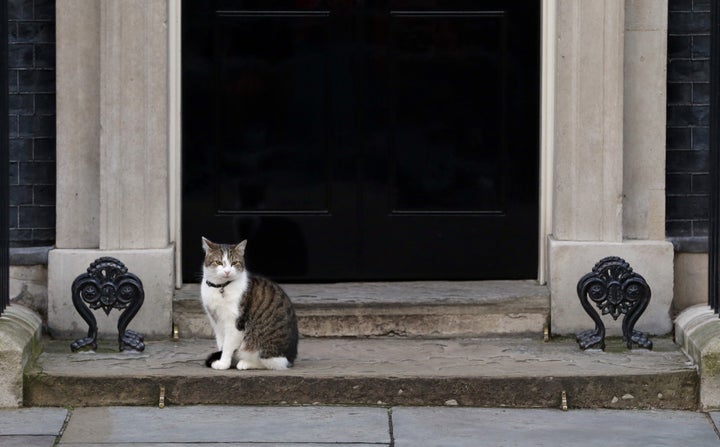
[363,140]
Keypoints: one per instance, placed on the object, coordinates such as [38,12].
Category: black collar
[217,286]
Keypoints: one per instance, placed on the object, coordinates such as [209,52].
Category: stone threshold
[483,372]
[414,309]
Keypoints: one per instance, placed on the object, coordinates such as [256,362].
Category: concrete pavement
[353,426]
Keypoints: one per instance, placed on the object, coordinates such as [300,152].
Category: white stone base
[155,269]
[19,335]
[571,260]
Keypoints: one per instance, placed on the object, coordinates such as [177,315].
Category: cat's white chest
[223,303]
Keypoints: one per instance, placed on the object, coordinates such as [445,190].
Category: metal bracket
[615,289]
[107,285]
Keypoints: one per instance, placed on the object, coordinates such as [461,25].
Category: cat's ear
[240,248]
[207,244]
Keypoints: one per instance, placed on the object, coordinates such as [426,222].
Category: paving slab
[512,372]
[31,427]
[223,424]
[479,427]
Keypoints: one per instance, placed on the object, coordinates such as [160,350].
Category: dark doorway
[363,140]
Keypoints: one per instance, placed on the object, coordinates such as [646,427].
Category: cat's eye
[217,262]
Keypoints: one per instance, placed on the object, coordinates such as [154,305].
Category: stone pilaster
[609,90]
[113,167]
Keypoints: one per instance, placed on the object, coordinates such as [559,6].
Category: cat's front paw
[244,364]
[219,364]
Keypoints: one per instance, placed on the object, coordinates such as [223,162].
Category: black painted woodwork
[4,157]
[373,140]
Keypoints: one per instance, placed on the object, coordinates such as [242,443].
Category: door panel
[363,140]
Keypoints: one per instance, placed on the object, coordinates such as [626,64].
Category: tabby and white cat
[252,317]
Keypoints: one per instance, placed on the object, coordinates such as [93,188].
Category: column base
[154,267]
[571,260]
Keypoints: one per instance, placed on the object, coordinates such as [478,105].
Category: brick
[682,70]
[701,93]
[678,138]
[13,84]
[13,217]
[700,138]
[44,149]
[21,149]
[679,47]
[45,104]
[688,161]
[36,217]
[20,9]
[700,228]
[21,104]
[678,183]
[698,5]
[681,116]
[680,5]
[37,173]
[37,126]
[678,228]
[36,81]
[43,236]
[20,238]
[701,47]
[20,56]
[13,126]
[44,9]
[679,93]
[45,56]
[12,32]
[44,195]
[701,184]
[21,195]
[686,207]
[688,22]
[36,32]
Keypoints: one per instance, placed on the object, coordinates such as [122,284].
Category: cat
[252,317]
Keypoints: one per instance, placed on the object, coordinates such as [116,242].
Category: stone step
[483,372]
[413,309]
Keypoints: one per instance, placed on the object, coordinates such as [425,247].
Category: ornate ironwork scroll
[108,285]
[615,289]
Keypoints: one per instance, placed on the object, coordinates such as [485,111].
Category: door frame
[547,114]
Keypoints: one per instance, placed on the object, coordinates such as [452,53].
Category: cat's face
[223,262]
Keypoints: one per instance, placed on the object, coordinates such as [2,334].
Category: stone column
[609,125]
[113,157]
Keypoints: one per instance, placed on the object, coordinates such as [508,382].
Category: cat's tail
[212,357]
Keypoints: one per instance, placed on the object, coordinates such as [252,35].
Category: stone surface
[28,286]
[78,123]
[315,426]
[697,331]
[19,336]
[199,425]
[691,280]
[570,261]
[588,158]
[153,267]
[428,309]
[476,427]
[31,427]
[512,372]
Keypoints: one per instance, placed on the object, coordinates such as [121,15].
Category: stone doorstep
[416,309]
[483,372]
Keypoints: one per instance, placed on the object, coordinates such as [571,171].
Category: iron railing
[4,156]
[714,236]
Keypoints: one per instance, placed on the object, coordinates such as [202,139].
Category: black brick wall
[31,60]
[688,118]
